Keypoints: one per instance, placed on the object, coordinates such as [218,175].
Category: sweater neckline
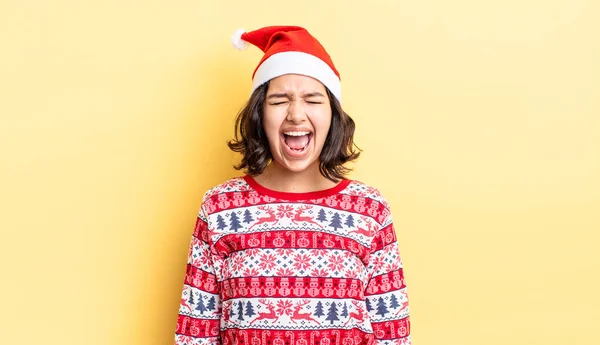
[296,195]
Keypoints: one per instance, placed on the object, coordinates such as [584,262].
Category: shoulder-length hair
[251,140]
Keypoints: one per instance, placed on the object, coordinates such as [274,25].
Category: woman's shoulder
[234,184]
[378,206]
[362,189]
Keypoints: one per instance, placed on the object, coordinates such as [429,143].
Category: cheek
[271,127]
[272,136]
[322,123]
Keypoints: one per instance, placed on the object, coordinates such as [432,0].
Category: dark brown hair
[251,140]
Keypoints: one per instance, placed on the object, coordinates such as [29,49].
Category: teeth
[296,134]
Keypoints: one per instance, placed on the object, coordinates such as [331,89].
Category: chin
[298,166]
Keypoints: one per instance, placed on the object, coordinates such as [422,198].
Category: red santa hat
[289,50]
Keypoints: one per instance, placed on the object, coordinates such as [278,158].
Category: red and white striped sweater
[274,268]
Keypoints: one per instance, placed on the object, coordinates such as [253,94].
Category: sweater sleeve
[386,297]
[199,315]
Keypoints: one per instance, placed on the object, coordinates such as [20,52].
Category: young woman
[293,252]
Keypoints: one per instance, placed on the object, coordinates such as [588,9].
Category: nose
[296,113]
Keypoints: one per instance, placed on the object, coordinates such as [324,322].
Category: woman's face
[297,117]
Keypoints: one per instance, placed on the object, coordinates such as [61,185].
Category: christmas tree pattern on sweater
[266,267]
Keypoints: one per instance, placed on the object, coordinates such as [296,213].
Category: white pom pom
[237,40]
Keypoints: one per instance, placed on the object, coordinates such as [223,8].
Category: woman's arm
[199,316]
[386,298]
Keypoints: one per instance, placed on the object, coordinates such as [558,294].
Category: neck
[278,178]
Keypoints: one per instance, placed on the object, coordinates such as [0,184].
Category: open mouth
[297,142]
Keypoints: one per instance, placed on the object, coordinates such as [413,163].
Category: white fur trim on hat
[237,41]
[297,63]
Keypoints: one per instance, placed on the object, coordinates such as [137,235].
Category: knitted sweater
[275,268]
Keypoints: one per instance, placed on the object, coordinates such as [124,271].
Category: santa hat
[289,50]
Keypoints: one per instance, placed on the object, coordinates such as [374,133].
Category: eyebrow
[287,95]
[278,95]
[313,94]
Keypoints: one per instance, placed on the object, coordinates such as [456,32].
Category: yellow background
[479,121]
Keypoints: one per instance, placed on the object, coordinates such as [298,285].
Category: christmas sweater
[276,268]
